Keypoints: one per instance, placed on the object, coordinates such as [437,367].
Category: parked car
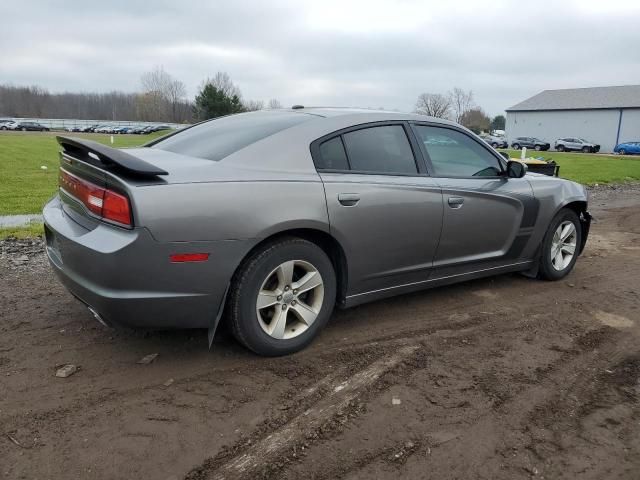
[104,129]
[628,148]
[495,141]
[576,144]
[275,217]
[159,128]
[74,129]
[31,126]
[530,142]
[7,124]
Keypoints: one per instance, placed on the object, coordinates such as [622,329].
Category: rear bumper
[126,278]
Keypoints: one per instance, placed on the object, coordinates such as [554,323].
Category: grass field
[24,185]
[590,169]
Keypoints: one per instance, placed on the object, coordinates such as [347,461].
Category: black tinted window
[383,149]
[221,137]
[454,154]
[332,155]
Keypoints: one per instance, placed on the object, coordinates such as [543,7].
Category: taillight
[102,202]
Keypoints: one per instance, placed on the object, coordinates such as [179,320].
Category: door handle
[455,202]
[348,199]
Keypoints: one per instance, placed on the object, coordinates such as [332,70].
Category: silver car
[268,220]
[569,144]
[495,141]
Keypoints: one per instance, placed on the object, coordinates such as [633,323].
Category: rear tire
[494,145]
[266,311]
[559,252]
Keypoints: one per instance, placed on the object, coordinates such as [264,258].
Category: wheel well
[327,243]
[577,206]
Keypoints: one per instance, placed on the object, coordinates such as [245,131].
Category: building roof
[626,96]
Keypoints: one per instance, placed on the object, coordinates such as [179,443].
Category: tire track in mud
[252,460]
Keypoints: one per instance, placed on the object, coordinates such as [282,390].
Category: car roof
[363,115]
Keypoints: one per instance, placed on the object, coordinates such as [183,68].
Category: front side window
[383,149]
[454,154]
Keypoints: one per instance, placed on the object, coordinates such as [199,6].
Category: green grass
[24,186]
[32,230]
[590,169]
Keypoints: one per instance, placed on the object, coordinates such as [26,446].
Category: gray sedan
[268,220]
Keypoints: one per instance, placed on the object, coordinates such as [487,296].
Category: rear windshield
[219,138]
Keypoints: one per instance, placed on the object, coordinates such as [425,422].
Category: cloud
[369,53]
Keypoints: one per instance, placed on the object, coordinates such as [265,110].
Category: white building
[603,115]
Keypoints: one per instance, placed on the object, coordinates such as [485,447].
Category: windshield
[219,138]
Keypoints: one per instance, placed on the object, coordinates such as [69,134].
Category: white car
[8,125]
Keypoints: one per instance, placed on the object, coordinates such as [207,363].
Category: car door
[487,218]
[572,144]
[383,208]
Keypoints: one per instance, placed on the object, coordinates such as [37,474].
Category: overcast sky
[365,53]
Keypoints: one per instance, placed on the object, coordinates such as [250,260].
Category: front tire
[282,296]
[586,149]
[538,148]
[622,152]
[560,148]
[516,146]
[560,245]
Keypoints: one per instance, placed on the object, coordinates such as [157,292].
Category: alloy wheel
[563,245]
[290,299]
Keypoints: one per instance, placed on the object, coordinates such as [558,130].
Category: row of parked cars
[25,126]
[119,129]
[566,144]
[22,126]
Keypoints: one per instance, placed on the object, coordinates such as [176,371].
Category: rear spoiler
[90,151]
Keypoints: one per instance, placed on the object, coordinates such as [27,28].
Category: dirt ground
[503,378]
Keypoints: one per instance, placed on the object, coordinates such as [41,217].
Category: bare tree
[433,105]
[274,104]
[253,105]
[163,96]
[176,92]
[155,89]
[476,120]
[461,102]
[222,81]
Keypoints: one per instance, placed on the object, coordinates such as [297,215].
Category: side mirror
[516,169]
[505,155]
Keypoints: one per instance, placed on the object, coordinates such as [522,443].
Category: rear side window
[383,149]
[219,138]
[332,155]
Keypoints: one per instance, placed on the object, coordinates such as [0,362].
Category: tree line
[162,98]
[458,105]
